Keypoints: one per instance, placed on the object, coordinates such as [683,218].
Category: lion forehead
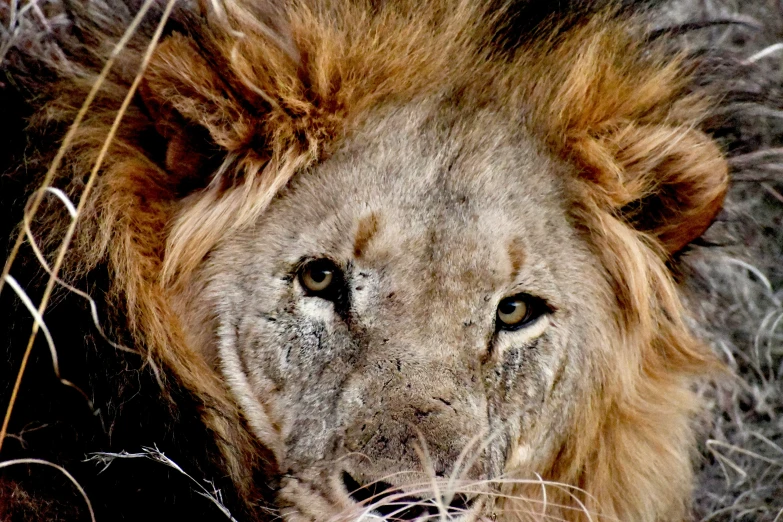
[460,204]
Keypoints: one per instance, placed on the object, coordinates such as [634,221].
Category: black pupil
[508,307]
[319,274]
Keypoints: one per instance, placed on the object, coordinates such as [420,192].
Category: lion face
[407,275]
[417,306]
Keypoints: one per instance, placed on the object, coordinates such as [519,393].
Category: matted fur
[274,91]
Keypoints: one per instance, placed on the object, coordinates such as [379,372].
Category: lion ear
[195,113]
[669,182]
[189,152]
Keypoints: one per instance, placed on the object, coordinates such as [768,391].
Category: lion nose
[393,503]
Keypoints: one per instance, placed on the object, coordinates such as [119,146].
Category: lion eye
[519,310]
[318,276]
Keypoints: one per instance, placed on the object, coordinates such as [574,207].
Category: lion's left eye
[518,311]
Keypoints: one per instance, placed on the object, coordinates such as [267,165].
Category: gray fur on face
[432,222]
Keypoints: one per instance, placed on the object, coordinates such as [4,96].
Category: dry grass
[736,284]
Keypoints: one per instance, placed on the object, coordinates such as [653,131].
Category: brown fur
[277,101]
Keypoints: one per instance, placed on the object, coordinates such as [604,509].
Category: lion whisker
[456,472]
[478,488]
[549,503]
[426,460]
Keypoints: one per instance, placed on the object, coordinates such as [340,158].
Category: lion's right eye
[319,277]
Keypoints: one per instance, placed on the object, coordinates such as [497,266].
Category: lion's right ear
[229,115]
[198,111]
[188,152]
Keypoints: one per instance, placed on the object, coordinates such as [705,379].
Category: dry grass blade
[743,451]
[71,134]
[158,456]
[72,212]
[47,335]
[82,202]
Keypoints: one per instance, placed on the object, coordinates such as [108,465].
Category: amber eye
[318,276]
[518,311]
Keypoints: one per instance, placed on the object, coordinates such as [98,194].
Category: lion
[390,260]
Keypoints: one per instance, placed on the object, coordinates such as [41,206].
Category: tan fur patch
[516,254]
[367,228]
